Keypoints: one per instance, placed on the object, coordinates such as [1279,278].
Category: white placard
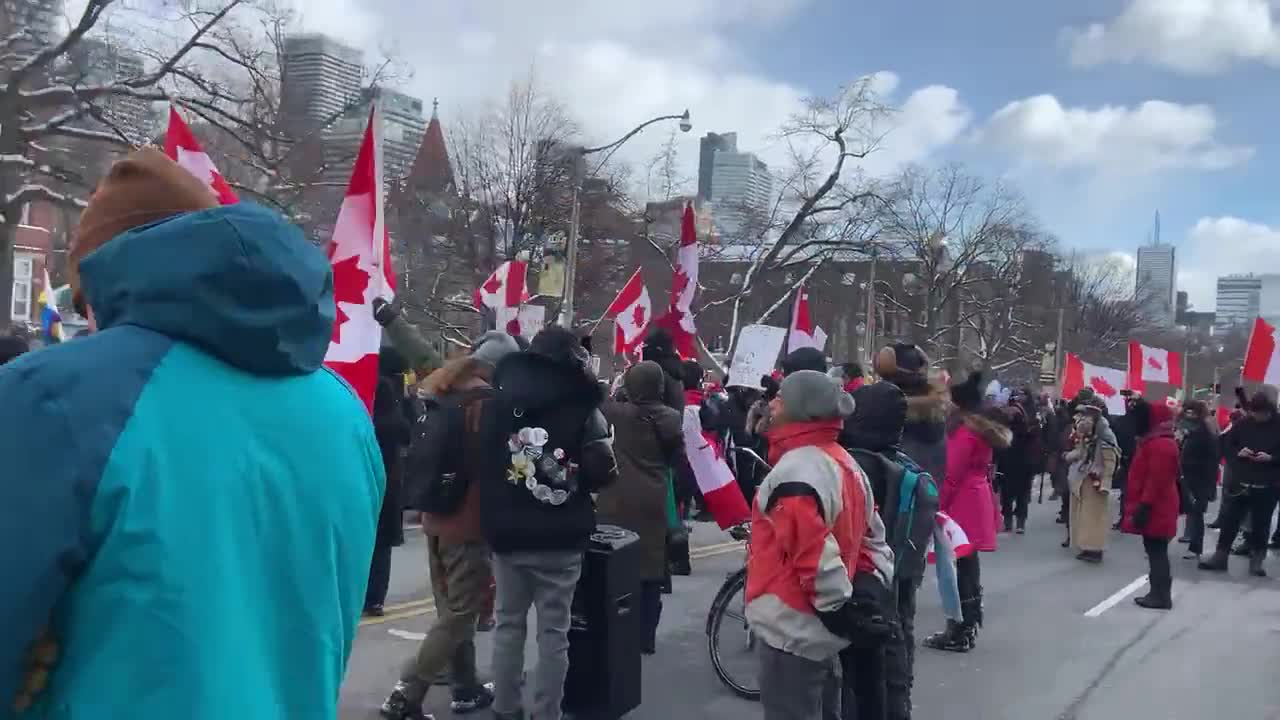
[532,319]
[756,354]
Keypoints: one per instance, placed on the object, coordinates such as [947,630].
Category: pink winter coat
[967,495]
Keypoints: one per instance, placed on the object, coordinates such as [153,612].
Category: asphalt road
[1063,640]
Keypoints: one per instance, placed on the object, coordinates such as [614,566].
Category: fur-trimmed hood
[997,435]
[932,405]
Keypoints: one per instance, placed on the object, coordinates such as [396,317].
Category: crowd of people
[144,540]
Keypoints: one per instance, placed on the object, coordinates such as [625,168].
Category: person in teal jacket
[189,499]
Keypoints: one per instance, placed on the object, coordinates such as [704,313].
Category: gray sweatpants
[796,688]
[545,581]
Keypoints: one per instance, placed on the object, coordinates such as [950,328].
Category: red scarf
[694,397]
[854,384]
[789,436]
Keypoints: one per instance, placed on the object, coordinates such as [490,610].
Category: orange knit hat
[140,189]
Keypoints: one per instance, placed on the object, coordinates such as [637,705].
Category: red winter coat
[1153,478]
[967,496]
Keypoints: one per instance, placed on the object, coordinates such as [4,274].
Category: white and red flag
[1106,382]
[803,332]
[1149,364]
[181,146]
[1262,358]
[361,259]
[720,491]
[504,292]
[632,310]
[684,285]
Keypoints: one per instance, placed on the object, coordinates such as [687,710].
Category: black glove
[384,312]
[1142,516]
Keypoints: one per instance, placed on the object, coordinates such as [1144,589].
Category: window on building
[24,215]
[22,271]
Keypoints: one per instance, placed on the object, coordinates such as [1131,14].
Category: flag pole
[379,217]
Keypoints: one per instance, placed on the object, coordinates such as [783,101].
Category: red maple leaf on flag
[513,327]
[678,284]
[349,284]
[1101,386]
[492,285]
[1153,362]
[638,316]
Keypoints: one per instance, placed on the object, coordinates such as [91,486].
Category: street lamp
[579,156]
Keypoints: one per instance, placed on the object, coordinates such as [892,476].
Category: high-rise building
[321,79]
[38,18]
[1156,283]
[1238,300]
[402,129]
[711,144]
[741,190]
[99,61]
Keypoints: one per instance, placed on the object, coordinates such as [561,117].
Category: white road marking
[406,635]
[1120,594]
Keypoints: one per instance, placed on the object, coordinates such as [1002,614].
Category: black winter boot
[1256,559]
[1022,526]
[404,703]
[1216,562]
[1008,523]
[1160,597]
[1242,549]
[955,638]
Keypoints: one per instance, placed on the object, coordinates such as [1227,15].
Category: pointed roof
[431,170]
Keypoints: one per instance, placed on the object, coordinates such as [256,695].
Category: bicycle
[738,671]
[731,602]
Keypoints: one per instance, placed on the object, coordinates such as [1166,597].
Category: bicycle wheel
[730,641]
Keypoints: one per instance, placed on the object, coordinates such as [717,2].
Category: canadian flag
[955,536]
[720,492]
[684,285]
[361,259]
[803,332]
[1106,382]
[1262,358]
[631,310]
[504,292]
[181,146]
[1148,364]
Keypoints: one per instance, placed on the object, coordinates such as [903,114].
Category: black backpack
[435,478]
[907,498]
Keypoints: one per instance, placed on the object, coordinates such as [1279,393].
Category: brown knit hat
[142,188]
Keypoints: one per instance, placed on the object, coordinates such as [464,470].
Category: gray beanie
[811,395]
[493,346]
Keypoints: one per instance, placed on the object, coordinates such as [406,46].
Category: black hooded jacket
[534,391]
[1261,437]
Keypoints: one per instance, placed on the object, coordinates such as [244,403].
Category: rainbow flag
[50,319]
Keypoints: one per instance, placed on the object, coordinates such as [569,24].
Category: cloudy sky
[1101,111]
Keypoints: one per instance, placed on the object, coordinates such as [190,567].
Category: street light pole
[871,311]
[575,213]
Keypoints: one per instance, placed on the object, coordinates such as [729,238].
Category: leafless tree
[60,114]
[1100,310]
[822,206]
[961,244]
[663,178]
[514,160]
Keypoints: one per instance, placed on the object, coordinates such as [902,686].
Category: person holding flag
[168,530]
[50,320]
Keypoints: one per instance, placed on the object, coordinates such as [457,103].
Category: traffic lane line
[416,608]
[1116,597]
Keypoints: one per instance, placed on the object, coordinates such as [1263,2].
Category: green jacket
[408,340]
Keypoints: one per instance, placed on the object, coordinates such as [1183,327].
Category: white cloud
[617,64]
[1113,140]
[1189,36]
[1217,246]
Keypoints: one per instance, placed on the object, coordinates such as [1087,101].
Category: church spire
[431,170]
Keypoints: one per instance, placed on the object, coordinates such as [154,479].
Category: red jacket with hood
[1153,478]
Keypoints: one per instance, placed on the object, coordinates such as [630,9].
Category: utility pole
[1058,353]
[870,339]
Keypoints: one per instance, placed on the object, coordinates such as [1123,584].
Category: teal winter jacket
[188,499]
